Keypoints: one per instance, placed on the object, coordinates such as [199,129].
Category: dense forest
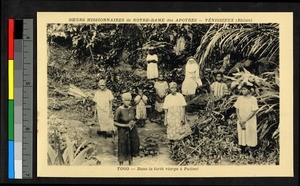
[79,55]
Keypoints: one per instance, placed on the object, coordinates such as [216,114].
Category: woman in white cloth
[152,69]
[192,79]
[104,98]
[174,106]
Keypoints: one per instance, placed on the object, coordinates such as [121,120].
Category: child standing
[128,138]
[246,107]
[218,88]
[161,88]
[141,111]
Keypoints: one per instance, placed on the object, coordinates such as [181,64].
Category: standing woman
[152,69]
[103,99]
[128,139]
[174,106]
[192,79]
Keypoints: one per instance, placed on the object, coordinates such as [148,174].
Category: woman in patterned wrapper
[128,138]
[174,106]
[103,99]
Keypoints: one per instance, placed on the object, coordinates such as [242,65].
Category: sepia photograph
[162,94]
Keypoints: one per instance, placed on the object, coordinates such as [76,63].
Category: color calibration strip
[11,167]
[20,107]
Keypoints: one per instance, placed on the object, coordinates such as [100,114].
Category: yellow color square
[10,79]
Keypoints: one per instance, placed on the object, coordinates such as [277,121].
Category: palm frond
[259,41]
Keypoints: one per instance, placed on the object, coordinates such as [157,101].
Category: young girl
[246,107]
[219,88]
[128,139]
[141,111]
[161,89]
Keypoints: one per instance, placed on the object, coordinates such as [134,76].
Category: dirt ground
[106,147]
[81,123]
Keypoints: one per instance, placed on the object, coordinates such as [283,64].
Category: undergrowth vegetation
[81,54]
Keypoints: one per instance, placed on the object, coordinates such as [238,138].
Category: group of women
[125,117]
[173,104]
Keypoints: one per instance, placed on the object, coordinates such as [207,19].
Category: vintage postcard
[165,94]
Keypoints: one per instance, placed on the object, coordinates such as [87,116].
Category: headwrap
[173,84]
[102,82]
[126,96]
[191,61]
